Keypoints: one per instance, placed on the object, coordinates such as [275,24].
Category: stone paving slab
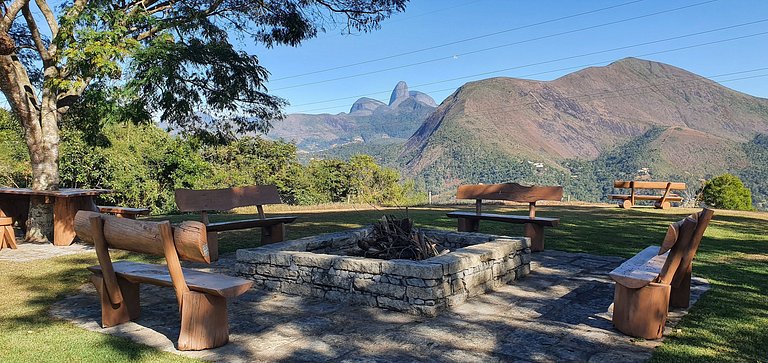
[560,312]
[33,251]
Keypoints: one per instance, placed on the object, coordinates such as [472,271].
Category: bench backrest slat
[145,237]
[195,200]
[638,184]
[510,191]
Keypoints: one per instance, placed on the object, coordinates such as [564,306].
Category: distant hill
[631,119]
[368,120]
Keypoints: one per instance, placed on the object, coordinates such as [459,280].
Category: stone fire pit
[318,266]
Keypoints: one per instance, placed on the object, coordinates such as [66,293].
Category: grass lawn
[730,322]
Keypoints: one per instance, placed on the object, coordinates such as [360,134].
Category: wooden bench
[201,296]
[533,226]
[203,201]
[660,201]
[657,278]
[123,212]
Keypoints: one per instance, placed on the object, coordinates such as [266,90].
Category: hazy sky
[438,45]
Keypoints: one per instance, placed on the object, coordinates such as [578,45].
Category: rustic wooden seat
[202,296]
[661,201]
[123,212]
[533,226]
[203,201]
[7,236]
[656,278]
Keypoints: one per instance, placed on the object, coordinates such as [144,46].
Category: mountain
[501,129]
[368,120]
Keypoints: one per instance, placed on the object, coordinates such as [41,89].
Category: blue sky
[520,48]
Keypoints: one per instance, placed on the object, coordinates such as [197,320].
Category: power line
[492,48]
[550,71]
[455,42]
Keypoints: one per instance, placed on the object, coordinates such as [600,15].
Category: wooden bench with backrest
[201,296]
[662,201]
[657,278]
[123,212]
[204,201]
[533,226]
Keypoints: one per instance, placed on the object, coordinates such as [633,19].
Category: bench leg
[536,233]
[7,238]
[204,323]
[641,312]
[273,233]
[468,225]
[129,309]
[665,205]
[626,204]
[213,245]
[681,295]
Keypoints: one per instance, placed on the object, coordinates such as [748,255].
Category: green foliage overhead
[727,192]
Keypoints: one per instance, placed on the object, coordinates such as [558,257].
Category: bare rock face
[365,106]
[399,94]
[423,98]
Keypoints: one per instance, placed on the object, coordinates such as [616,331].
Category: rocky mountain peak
[399,94]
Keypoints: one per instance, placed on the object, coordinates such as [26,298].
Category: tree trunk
[44,156]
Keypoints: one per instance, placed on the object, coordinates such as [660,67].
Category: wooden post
[532,209]
[641,312]
[478,206]
[174,266]
[536,233]
[260,209]
[204,323]
[273,233]
[116,314]
[7,236]
[468,225]
[680,296]
[102,254]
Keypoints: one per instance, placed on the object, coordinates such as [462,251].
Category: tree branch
[10,14]
[50,17]
[36,37]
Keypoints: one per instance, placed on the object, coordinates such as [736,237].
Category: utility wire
[548,71]
[455,42]
[492,48]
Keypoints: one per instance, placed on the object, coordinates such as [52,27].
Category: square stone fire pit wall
[318,266]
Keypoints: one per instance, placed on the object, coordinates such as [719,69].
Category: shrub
[727,192]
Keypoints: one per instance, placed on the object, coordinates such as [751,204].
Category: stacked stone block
[315,266]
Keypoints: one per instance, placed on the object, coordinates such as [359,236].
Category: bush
[727,192]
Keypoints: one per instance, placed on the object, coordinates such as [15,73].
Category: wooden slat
[122,210]
[64,192]
[191,200]
[216,284]
[248,223]
[670,198]
[641,269]
[639,184]
[547,222]
[190,237]
[510,191]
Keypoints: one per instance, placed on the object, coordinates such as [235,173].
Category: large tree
[172,59]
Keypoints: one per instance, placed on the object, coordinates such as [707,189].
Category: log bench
[533,226]
[211,200]
[201,296]
[657,278]
[662,201]
[123,212]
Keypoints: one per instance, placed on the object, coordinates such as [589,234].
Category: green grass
[729,323]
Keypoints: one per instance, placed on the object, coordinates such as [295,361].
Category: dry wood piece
[656,278]
[396,238]
[533,226]
[202,296]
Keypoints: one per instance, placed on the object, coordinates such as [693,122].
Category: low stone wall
[308,266]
